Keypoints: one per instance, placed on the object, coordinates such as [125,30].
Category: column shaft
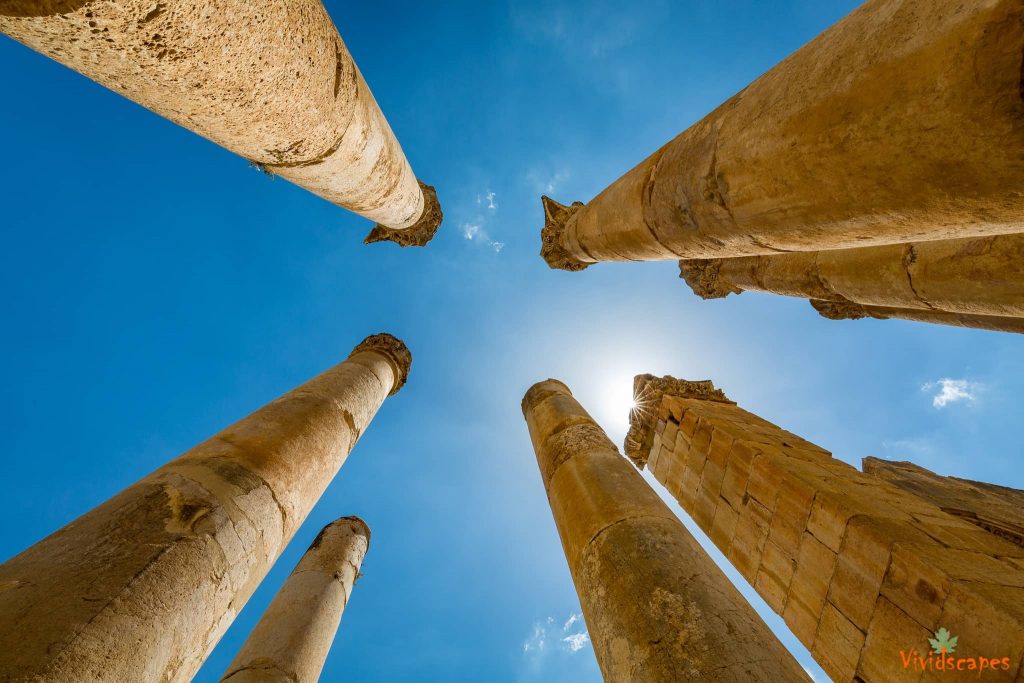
[977,276]
[272,82]
[656,606]
[291,641]
[859,569]
[902,122]
[142,587]
[844,310]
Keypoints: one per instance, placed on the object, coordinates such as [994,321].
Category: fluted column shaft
[976,276]
[656,606]
[903,122]
[272,82]
[142,587]
[291,641]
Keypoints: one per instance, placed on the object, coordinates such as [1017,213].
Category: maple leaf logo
[943,643]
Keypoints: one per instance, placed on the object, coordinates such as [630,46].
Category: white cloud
[546,635]
[470,231]
[475,232]
[577,641]
[490,201]
[952,391]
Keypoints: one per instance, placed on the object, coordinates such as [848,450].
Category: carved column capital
[841,310]
[648,391]
[704,278]
[421,232]
[394,350]
[552,249]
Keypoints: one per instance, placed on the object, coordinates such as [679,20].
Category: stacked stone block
[858,568]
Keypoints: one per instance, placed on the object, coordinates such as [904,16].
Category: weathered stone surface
[903,122]
[859,566]
[290,642]
[273,83]
[143,586]
[656,606]
[975,276]
[845,310]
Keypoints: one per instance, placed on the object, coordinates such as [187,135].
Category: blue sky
[157,289]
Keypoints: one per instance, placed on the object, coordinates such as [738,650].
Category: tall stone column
[903,122]
[861,570]
[656,606]
[142,587]
[845,310]
[291,641]
[977,276]
[272,82]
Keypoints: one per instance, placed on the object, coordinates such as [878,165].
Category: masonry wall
[858,568]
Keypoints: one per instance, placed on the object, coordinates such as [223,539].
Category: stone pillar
[996,509]
[656,606]
[291,641]
[860,570]
[903,122]
[845,310]
[979,276]
[142,587]
[272,82]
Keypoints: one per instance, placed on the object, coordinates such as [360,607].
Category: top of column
[421,232]
[392,348]
[648,391]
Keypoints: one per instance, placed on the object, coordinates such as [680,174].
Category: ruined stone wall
[860,569]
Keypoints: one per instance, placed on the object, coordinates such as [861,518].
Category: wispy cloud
[546,636]
[949,391]
[474,232]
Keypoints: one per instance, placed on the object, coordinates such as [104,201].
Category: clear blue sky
[156,289]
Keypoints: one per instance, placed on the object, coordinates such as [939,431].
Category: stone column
[978,276]
[656,606]
[291,641]
[272,82]
[903,122]
[845,310]
[142,587]
[861,570]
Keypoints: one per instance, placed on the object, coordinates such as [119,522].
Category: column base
[421,232]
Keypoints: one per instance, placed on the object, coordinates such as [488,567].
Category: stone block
[749,539]
[891,631]
[809,588]
[723,527]
[774,576]
[837,644]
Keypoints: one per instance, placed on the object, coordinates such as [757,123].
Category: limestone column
[142,587]
[903,122]
[656,606]
[845,310]
[858,568]
[977,276]
[291,641]
[272,82]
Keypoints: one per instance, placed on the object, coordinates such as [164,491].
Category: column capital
[552,249]
[421,232]
[704,278]
[394,350]
[840,310]
[648,391]
[541,390]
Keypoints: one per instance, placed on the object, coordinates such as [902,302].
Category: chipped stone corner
[420,232]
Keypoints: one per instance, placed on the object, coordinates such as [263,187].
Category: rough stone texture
[859,568]
[981,276]
[997,509]
[903,122]
[142,587]
[656,606]
[845,310]
[421,232]
[272,82]
[291,641]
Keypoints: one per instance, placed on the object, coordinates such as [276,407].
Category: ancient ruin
[273,83]
[292,639]
[835,172]
[657,607]
[859,567]
[173,558]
